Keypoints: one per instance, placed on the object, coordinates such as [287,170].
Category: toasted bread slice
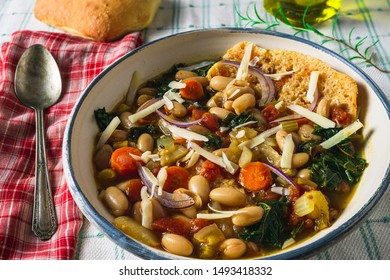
[339,89]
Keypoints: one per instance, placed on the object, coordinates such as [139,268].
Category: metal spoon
[38,86]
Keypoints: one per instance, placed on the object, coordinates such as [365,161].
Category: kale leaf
[215,142]
[161,83]
[136,132]
[333,167]
[232,120]
[103,118]
[325,133]
[310,147]
[271,230]
[203,70]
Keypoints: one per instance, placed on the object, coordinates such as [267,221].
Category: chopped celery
[165,143]
[315,206]
[133,229]
[290,126]
[169,157]
[211,235]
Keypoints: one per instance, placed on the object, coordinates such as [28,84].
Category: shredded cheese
[246,156]
[260,138]
[153,180]
[342,134]
[212,216]
[231,167]
[244,124]
[242,71]
[280,190]
[107,132]
[146,156]
[186,134]
[240,134]
[215,159]
[168,102]
[176,85]
[279,104]
[279,76]
[312,85]
[314,117]
[288,151]
[146,208]
[288,243]
[175,96]
[147,111]
[161,178]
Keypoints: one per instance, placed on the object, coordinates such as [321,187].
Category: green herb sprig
[366,55]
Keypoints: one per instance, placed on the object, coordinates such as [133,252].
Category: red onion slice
[166,199]
[267,85]
[175,122]
[313,105]
[281,174]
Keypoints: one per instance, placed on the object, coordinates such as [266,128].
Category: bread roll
[339,89]
[100,20]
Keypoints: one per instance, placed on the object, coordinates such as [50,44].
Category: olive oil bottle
[294,10]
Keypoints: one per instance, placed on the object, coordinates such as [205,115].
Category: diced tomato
[340,116]
[293,193]
[122,161]
[270,113]
[198,223]
[210,170]
[197,113]
[175,225]
[210,121]
[133,190]
[177,177]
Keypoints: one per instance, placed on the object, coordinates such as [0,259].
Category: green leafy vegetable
[135,132]
[310,147]
[161,83]
[203,70]
[333,167]
[232,120]
[271,230]
[215,142]
[325,132]
[103,118]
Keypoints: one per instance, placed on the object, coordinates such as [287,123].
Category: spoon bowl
[37,78]
[38,86]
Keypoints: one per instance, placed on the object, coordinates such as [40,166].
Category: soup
[208,161]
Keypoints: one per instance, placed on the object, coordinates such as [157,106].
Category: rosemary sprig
[365,55]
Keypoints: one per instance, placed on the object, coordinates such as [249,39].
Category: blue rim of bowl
[143,251]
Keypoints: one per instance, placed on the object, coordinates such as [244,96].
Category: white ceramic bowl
[111,85]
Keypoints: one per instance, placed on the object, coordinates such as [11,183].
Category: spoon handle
[44,222]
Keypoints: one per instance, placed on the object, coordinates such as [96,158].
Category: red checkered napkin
[79,61]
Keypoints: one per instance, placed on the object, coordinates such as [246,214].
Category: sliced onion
[267,85]
[166,198]
[313,105]
[175,122]
[281,174]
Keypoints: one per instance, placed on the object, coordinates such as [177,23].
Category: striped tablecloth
[358,19]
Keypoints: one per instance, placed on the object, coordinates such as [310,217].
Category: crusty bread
[338,88]
[100,20]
